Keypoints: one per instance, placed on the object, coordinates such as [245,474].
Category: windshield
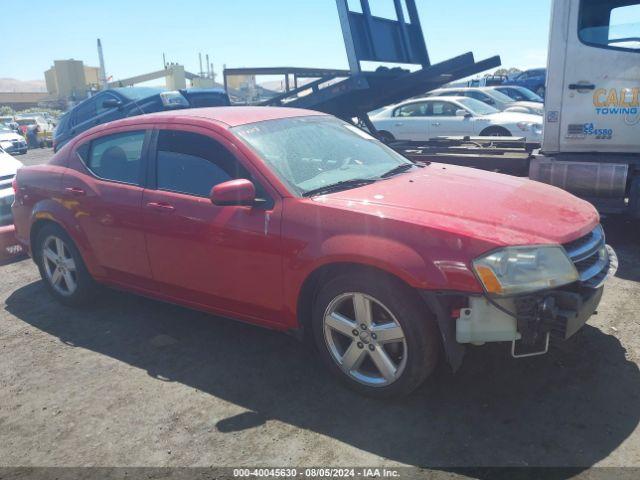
[309,153]
[477,107]
[26,121]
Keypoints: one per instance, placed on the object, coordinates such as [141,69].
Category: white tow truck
[591,144]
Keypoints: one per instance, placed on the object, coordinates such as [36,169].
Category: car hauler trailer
[352,94]
[591,144]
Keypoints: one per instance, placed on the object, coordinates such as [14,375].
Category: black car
[116,103]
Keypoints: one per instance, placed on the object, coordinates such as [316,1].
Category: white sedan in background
[8,169]
[427,118]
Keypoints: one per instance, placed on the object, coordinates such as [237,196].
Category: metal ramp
[353,94]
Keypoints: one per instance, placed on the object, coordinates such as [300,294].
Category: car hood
[9,136]
[533,106]
[515,117]
[8,164]
[498,209]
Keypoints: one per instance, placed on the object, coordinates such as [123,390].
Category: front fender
[385,254]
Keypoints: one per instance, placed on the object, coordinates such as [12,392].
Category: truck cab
[591,141]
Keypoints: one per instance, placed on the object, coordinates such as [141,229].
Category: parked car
[519,94]
[45,129]
[491,97]
[427,118]
[117,103]
[535,80]
[298,221]
[8,168]
[12,142]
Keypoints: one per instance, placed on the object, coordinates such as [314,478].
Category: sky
[254,33]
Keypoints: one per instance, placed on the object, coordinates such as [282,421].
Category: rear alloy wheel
[61,267]
[374,333]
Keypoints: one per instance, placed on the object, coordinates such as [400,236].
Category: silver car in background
[426,118]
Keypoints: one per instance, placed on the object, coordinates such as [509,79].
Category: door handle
[399,124]
[436,124]
[164,207]
[582,86]
[76,191]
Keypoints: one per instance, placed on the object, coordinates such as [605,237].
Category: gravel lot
[132,381]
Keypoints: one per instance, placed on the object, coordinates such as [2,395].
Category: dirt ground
[134,382]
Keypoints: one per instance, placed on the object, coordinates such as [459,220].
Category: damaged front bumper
[529,321]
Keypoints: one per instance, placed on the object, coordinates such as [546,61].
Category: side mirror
[234,192]
[111,103]
[463,113]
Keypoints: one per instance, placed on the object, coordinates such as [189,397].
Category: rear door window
[117,157]
[611,24]
[418,109]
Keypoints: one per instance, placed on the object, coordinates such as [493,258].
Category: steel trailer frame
[352,94]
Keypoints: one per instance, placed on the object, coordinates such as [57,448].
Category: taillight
[14,184]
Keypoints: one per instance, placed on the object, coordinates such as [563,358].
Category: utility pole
[102,80]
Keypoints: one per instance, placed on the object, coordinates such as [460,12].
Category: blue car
[535,80]
[117,103]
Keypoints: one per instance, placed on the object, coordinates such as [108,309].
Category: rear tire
[495,132]
[62,268]
[389,351]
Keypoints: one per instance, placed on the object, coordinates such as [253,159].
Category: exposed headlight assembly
[517,270]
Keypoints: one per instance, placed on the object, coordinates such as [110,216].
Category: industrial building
[71,79]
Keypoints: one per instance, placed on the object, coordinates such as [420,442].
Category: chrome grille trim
[585,247]
[590,257]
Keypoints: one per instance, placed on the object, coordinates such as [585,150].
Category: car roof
[428,99]
[230,116]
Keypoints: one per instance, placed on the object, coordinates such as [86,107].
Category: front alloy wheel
[374,333]
[365,339]
[59,266]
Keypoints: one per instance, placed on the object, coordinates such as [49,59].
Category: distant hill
[14,85]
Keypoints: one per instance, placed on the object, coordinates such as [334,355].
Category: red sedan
[301,222]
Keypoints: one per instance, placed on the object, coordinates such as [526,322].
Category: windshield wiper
[398,170]
[345,185]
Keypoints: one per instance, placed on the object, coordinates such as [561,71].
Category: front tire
[62,268]
[375,335]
